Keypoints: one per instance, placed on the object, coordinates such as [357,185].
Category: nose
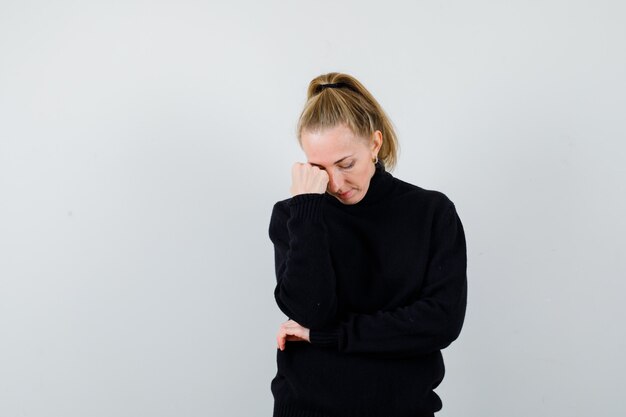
[335,182]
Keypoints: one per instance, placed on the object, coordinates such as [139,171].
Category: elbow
[447,339]
[453,330]
[455,319]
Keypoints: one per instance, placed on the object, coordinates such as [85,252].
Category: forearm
[306,286]
[420,328]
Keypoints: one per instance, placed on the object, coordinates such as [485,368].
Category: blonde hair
[350,104]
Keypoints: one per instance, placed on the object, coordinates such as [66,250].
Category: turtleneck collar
[379,187]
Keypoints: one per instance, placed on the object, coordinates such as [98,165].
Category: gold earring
[375,160]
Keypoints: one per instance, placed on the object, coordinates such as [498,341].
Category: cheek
[361,179]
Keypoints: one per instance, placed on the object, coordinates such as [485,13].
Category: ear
[377,142]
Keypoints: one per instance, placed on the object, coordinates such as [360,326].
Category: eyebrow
[336,162]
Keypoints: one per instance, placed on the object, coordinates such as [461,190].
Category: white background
[143,144]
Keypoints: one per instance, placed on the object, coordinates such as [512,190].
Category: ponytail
[334,99]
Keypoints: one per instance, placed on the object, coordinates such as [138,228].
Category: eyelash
[349,166]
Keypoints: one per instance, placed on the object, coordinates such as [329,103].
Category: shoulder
[433,201]
[428,206]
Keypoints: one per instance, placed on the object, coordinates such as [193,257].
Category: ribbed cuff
[307,206]
[326,337]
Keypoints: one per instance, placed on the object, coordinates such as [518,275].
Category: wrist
[307,205]
[325,337]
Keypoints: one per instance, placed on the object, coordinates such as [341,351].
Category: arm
[305,289]
[430,323]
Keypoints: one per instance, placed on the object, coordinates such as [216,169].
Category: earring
[375,160]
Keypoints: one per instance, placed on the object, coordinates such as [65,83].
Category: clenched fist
[307,178]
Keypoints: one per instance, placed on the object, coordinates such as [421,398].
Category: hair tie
[333,85]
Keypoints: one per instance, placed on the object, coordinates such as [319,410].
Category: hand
[307,178]
[292,332]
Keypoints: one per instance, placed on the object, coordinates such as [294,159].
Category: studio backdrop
[143,145]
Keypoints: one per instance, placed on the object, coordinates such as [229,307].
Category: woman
[371,270]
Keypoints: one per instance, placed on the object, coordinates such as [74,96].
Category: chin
[352,200]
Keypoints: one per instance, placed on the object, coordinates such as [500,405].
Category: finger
[282,340]
[279,340]
[292,338]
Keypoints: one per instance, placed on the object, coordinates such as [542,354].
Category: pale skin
[340,163]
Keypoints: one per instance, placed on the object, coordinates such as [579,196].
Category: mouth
[345,195]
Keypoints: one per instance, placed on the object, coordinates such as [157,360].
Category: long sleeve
[430,323]
[306,286]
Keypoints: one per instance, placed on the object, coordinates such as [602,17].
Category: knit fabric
[382,286]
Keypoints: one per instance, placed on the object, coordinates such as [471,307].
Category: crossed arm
[305,289]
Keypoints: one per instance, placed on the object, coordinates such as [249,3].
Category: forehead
[327,146]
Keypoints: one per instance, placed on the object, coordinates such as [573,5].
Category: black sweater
[382,286]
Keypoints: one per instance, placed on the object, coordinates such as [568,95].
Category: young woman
[371,270]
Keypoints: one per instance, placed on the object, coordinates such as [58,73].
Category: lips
[346,194]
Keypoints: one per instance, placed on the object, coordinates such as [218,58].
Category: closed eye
[349,166]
